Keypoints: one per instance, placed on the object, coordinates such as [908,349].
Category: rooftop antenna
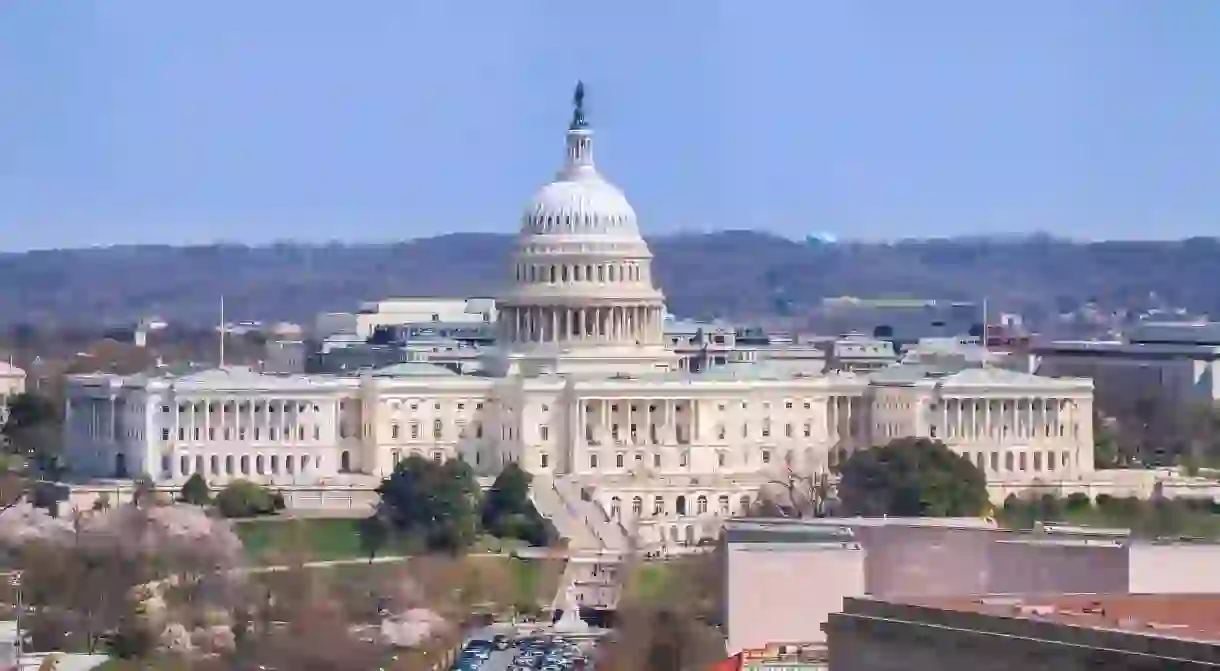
[223,330]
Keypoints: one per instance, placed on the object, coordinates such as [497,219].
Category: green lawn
[651,581]
[271,540]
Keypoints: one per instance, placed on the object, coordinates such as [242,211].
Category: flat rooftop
[1193,617]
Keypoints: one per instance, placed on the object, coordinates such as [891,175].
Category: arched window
[552,274]
[723,503]
[185,464]
[245,465]
[259,465]
[229,465]
[345,461]
[701,505]
[680,505]
[615,508]
[637,506]
[215,465]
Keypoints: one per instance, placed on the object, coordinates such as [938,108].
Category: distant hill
[734,274]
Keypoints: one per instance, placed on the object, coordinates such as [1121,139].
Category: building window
[766,428]
[164,434]
[658,505]
[787,430]
[766,456]
[720,432]
[544,432]
[701,505]
[656,460]
[720,458]
[637,506]
[184,464]
[723,502]
[437,429]
[394,432]
[414,430]
[618,460]
[542,460]
[592,461]
[437,457]
[684,459]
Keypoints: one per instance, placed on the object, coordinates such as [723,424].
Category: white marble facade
[582,387]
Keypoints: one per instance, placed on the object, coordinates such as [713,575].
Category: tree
[912,477]
[242,498]
[674,626]
[434,503]
[508,511]
[795,493]
[196,491]
[374,532]
[34,428]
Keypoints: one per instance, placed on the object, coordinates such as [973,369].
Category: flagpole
[223,329]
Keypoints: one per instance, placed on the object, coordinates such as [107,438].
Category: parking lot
[500,652]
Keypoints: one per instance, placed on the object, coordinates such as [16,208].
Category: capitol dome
[581,293]
[580,201]
[586,205]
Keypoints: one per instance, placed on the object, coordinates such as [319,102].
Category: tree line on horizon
[758,276]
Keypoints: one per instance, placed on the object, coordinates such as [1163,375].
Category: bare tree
[796,492]
[671,629]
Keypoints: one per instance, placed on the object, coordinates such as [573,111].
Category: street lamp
[14,581]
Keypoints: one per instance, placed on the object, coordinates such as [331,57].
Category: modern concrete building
[1061,632]
[775,568]
[1174,361]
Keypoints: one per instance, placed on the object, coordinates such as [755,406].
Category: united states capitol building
[583,390]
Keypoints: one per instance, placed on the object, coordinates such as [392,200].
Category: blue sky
[130,121]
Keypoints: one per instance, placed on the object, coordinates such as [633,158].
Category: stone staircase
[592,537]
[610,535]
[568,522]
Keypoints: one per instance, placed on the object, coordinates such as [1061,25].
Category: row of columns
[628,324]
[676,421]
[194,425]
[1024,418]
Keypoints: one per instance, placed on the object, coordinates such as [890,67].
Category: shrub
[1050,507]
[1105,501]
[1077,501]
[195,491]
[242,498]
